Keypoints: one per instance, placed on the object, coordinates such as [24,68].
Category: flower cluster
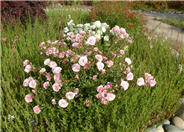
[96,29]
[149,80]
[28,66]
[56,85]
[83,66]
[119,32]
[105,93]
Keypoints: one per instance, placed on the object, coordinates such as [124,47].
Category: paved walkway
[169,15]
[175,34]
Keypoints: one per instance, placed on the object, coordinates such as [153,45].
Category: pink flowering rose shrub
[83,74]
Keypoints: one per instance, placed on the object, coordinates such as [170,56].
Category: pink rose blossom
[122,52]
[110,96]
[95,49]
[130,76]
[91,40]
[128,69]
[128,61]
[77,76]
[68,53]
[107,86]
[104,101]
[52,64]
[87,103]
[103,71]
[116,85]
[109,63]
[49,42]
[53,101]
[87,66]
[33,91]
[104,93]
[152,83]
[83,60]
[46,85]
[26,62]
[87,53]
[47,53]
[48,76]
[140,81]
[56,87]
[110,84]
[57,77]
[32,84]
[36,110]
[61,55]
[124,85]
[99,95]
[70,95]
[130,41]
[56,70]
[73,59]
[76,67]
[47,62]
[100,88]
[26,82]
[99,57]
[126,35]
[75,45]
[94,77]
[122,30]
[100,66]
[28,68]
[3,39]
[28,98]
[104,58]
[42,70]
[63,103]
[82,32]
[148,76]
[59,82]
[76,91]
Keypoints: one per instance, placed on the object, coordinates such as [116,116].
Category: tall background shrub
[13,11]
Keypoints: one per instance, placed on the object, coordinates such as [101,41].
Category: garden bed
[132,105]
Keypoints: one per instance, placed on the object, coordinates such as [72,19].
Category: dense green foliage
[137,108]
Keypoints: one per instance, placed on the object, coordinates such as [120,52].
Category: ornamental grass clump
[80,70]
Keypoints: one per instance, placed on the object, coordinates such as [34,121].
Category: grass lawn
[138,107]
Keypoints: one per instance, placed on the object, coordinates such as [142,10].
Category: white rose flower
[100,65]
[83,60]
[97,24]
[103,29]
[106,38]
[93,26]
